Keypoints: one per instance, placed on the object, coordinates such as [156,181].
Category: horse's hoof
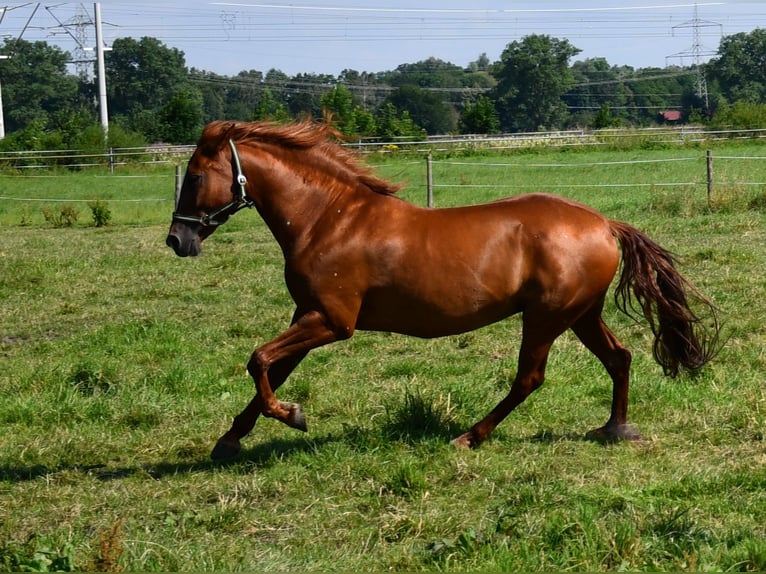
[464,441]
[610,434]
[296,419]
[225,450]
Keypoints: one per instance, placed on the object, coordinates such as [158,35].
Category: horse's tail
[650,283]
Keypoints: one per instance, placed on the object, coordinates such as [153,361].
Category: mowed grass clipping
[122,364]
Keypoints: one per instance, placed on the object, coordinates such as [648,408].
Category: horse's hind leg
[596,336]
[536,342]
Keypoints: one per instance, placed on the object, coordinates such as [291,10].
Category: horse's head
[307,167]
[214,188]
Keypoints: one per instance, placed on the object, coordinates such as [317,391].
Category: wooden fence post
[429,181]
[709,176]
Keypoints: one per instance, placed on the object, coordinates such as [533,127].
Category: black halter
[240,200]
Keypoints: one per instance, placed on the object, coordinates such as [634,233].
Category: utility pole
[81,61]
[104,115]
[2,57]
[2,121]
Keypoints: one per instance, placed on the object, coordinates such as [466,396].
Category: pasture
[122,364]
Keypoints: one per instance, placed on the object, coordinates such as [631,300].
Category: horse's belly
[451,314]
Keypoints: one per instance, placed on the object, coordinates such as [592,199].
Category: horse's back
[457,269]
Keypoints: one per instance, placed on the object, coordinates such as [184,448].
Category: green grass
[122,364]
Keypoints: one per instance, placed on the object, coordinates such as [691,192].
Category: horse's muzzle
[183,241]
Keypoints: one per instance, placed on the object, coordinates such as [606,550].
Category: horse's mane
[319,139]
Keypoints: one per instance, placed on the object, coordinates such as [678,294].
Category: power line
[634,79]
[453,10]
[232,27]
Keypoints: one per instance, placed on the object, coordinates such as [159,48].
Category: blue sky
[320,36]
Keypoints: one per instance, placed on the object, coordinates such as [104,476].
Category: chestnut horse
[358,257]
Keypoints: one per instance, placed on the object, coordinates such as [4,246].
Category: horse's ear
[329,127]
[228,132]
[220,128]
[214,133]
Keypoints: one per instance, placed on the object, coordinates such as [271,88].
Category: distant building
[670,116]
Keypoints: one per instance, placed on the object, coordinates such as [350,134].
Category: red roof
[671,115]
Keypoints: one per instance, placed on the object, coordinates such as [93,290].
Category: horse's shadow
[267,454]
[262,455]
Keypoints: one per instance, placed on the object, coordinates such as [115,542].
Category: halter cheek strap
[240,200]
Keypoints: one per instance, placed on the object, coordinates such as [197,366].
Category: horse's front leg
[269,366]
[228,445]
[308,332]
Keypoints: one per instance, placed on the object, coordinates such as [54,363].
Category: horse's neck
[293,205]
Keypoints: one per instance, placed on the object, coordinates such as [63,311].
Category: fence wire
[173,155]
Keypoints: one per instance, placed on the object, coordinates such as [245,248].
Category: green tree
[73,126]
[596,84]
[479,117]
[656,89]
[268,108]
[119,136]
[36,86]
[340,103]
[604,118]
[242,95]
[532,77]
[430,73]
[303,94]
[213,97]
[739,70]
[181,116]
[629,96]
[370,90]
[143,76]
[433,90]
[740,115]
[392,124]
[347,116]
[364,120]
[426,108]
[481,64]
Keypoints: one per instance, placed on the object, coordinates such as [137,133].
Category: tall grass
[122,364]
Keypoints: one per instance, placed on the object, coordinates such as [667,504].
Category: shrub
[740,115]
[101,213]
[758,203]
[64,217]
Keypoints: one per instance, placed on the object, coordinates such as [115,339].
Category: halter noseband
[240,200]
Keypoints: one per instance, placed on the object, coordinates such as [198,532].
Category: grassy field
[122,364]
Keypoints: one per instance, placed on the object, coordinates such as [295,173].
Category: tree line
[153,96]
